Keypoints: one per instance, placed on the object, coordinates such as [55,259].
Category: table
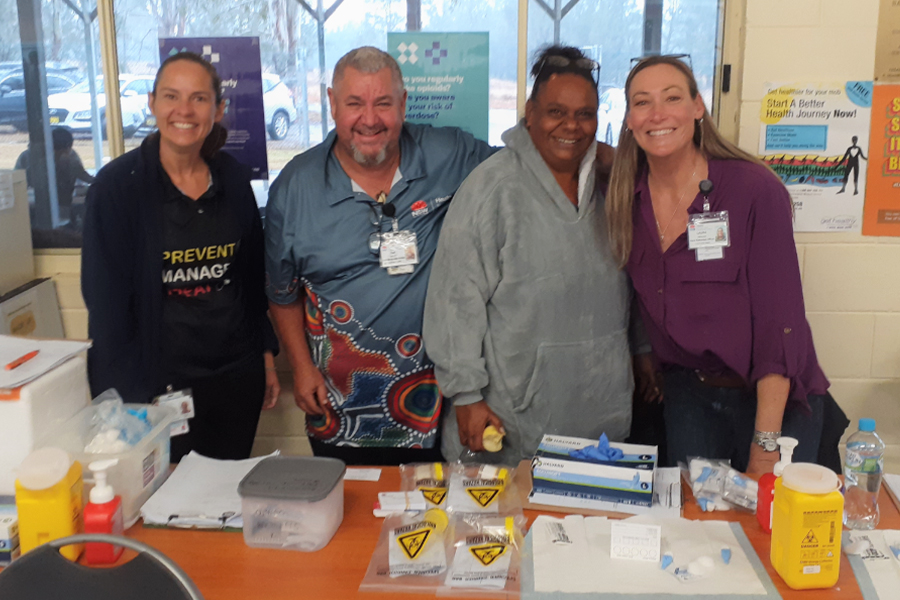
[224,568]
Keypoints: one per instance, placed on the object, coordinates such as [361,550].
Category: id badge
[182,402]
[399,251]
[708,233]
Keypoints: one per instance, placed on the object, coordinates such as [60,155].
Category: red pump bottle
[766,493]
[103,514]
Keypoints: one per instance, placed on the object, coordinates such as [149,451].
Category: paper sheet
[7,195]
[201,492]
[893,483]
[356,474]
[51,353]
[877,570]
[584,565]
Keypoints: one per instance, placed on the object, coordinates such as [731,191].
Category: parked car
[72,109]
[278,105]
[12,96]
[610,115]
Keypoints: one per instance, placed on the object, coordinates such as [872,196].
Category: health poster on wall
[237,62]
[446,77]
[815,136]
[882,213]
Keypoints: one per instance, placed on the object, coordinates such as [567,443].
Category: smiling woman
[172,270]
[717,279]
[527,315]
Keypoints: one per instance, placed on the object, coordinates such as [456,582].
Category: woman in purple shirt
[724,313]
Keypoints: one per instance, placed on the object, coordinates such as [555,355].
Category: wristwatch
[767,440]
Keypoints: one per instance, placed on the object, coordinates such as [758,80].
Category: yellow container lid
[808,478]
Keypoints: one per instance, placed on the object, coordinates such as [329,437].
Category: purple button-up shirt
[739,314]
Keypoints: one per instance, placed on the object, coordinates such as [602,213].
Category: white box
[32,310]
[140,470]
[29,413]
[9,539]
[293,502]
[17,266]
[628,481]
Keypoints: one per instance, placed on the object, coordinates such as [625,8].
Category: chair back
[44,574]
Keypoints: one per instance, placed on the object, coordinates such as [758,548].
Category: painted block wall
[851,283]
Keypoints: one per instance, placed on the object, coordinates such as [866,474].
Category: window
[614,33]
[300,44]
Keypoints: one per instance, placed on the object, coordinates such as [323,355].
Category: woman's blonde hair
[630,159]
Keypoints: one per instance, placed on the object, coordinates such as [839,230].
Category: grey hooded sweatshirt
[526,308]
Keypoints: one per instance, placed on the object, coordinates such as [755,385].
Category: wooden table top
[224,568]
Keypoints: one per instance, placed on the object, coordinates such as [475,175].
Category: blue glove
[599,453]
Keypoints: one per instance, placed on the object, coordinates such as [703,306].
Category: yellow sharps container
[49,500]
[806,526]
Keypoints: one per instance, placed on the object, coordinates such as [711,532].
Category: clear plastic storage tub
[293,502]
[140,470]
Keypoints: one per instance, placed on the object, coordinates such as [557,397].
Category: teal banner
[446,78]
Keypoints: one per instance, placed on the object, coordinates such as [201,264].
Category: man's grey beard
[369,161]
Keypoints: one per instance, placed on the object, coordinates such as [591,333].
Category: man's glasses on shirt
[685,58]
[562,62]
[379,211]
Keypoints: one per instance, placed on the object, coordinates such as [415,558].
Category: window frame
[729,51]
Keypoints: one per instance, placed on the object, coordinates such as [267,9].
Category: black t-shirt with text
[206,327]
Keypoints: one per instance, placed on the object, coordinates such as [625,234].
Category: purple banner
[238,63]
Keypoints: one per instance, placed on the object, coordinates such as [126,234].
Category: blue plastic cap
[867,424]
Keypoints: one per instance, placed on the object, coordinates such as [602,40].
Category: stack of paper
[19,364]
[201,492]
[877,565]
[573,556]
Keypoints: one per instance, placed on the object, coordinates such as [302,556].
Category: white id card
[399,249]
[182,402]
[708,230]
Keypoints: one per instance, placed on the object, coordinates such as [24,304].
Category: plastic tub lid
[307,478]
[808,478]
[44,468]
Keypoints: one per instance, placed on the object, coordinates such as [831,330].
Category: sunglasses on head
[685,58]
[561,62]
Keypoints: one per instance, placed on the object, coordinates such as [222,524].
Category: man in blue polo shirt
[351,229]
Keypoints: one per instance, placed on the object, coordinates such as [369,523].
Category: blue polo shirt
[364,327]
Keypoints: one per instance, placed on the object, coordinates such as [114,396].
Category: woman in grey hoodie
[527,314]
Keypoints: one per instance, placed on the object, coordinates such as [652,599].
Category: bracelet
[766,434]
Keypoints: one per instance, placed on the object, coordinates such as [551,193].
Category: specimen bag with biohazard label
[429,478]
[482,489]
[485,555]
[411,554]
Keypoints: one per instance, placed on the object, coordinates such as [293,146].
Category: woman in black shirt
[172,270]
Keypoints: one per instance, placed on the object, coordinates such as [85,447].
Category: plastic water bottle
[863,467]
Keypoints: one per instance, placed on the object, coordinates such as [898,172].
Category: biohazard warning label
[810,538]
[488,553]
[413,542]
[434,495]
[484,496]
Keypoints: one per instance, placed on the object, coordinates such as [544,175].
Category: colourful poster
[815,136]
[446,77]
[237,62]
[882,214]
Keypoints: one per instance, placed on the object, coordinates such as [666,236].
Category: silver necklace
[662,235]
